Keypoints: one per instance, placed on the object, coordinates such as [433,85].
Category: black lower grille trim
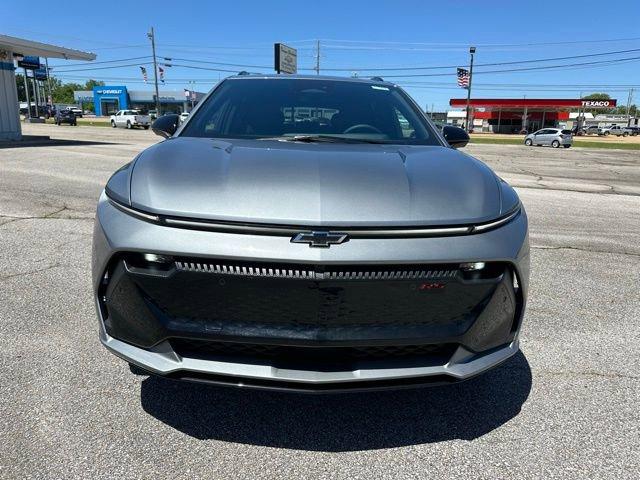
[317,357]
[314,388]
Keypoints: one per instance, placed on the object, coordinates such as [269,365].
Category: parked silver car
[550,136]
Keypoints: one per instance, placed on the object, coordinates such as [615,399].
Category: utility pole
[472,50]
[317,69]
[155,69]
[629,99]
[46,64]
[26,92]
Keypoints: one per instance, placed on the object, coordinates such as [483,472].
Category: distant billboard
[286,59]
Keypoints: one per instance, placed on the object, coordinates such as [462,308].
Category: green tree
[61,92]
[20,87]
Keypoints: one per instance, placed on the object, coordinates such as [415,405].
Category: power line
[526,69]
[106,68]
[484,45]
[98,63]
[381,69]
[217,63]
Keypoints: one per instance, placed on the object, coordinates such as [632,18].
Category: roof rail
[377,79]
[244,72]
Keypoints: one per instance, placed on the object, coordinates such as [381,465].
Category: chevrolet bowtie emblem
[320,239]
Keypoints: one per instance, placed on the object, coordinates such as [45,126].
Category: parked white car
[184,116]
[130,119]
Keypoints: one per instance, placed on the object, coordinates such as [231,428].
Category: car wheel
[555,144]
[136,370]
[129,125]
[566,146]
[146,127]
[606,134]
[113,124]
[625,134]
[528,142]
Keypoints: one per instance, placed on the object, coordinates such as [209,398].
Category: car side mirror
[456,137]
[166,125]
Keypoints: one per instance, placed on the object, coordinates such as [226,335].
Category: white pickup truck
[130,119]
[617,130]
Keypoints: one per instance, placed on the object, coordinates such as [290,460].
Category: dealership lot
[565,407]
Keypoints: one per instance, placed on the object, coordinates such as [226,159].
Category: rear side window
[567,132]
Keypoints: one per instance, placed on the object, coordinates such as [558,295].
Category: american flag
[144,74]
[463,78]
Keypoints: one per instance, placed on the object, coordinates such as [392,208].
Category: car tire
[606,134]
[129,127]
[555,144]
[625,134]
[113,124]
[146,127]
[566,146]
[528,142]
[136,370]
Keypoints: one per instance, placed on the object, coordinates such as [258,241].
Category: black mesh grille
[323,295]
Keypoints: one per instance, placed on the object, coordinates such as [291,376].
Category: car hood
[319,184]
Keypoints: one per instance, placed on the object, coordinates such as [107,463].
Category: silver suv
[550,136]
[261,246]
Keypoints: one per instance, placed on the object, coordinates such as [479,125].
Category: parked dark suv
[65,116]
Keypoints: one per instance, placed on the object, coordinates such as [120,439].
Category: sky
[432,38]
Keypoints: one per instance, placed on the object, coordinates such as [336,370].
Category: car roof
[252,76]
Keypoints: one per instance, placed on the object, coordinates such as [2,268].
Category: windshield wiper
[323,138]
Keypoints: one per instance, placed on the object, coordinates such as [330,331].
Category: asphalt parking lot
[565,407]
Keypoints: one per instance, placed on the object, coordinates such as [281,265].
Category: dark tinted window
[264,108]
[567,132]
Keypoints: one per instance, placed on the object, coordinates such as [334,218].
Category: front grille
[145,302]
[280,294]
[317,273]
[281,355]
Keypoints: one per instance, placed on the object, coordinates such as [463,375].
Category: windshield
[287,108]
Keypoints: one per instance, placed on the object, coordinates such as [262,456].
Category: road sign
[29,62]
[286,59]
[40,73]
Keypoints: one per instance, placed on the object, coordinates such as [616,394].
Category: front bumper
[472,346]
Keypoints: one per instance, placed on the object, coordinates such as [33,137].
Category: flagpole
[472,50]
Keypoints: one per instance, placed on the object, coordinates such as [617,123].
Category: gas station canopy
[11,48]
[20,46]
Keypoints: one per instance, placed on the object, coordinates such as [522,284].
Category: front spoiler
[162,360]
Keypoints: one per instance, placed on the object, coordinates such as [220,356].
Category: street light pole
[472,50]
[155,69]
